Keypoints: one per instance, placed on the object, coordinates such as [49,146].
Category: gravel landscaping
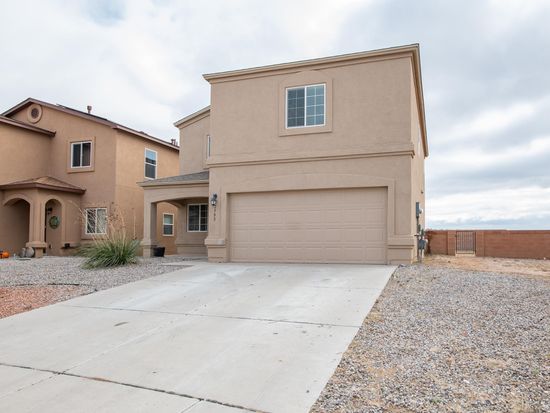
[28,284]
[445,339]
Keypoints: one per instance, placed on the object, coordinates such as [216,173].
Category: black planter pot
[158,251]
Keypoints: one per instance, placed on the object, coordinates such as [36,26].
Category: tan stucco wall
[367,142]
[130,169]
[14,225]
[111,181]
[391,172]
[193,138]
[67,208]
[23,154]
[187,243]
[99,182]
[371,112]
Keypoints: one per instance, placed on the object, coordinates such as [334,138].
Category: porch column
[181,228]
[37,218]
[149,228]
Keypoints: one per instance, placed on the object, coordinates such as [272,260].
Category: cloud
[527,207]
[139,62]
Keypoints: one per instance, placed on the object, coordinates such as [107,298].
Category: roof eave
[193,117]
[91,118]
[310,62]
[23,125]
[41,186]
[145,136]
[420,96]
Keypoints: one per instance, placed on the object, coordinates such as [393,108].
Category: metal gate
[465,242]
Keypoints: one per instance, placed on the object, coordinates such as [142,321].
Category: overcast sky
[485,65]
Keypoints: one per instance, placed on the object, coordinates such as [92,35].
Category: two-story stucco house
[64,172]
[312,161]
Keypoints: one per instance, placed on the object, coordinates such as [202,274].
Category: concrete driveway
[209,338]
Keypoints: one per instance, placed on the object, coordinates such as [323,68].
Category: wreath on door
[54,222]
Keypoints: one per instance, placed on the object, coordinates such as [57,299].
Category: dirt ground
[15,300]
[527,267]
[454,334]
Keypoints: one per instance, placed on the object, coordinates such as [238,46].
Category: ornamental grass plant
[111,249]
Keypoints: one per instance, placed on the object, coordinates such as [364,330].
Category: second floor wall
[85,153]
[195,143]
[365,107]
[23,154]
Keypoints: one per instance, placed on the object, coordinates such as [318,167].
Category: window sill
[305,130]
[80,170]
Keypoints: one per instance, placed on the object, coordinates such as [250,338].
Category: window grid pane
[193,218]
[315,109]
[86,154]
[295,107]
[90,221]
[204,218]
[150,164]
[76,155]
[150,171]
[101,221]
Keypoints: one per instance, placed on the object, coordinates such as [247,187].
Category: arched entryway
[53,234]
[15,221]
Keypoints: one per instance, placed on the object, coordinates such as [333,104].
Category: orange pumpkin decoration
[5,254]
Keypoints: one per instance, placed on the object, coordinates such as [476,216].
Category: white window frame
[73,144]
[305,106]
[171,225]
[208,146]
[199,205]
[86,223]
[145,163]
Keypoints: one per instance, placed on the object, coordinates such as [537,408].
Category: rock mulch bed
[442,340]
[28,284]
[15,300]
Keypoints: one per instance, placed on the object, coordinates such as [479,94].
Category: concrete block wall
[495,243]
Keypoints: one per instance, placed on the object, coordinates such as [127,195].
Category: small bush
[110,252]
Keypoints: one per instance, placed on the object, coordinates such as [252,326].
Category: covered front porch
[189,194]
[40,213]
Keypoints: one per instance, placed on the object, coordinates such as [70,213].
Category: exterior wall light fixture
[214,200]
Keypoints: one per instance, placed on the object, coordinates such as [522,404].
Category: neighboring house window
[305,106]
[197,218]
[96,220]
[81,154]
[208,145]
[150,164]
[168,224]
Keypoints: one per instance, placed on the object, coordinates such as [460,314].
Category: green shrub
[110,252]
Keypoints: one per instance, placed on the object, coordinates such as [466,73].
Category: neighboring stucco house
[312,161]
[64,172]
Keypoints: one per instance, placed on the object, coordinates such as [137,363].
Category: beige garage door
[329,225]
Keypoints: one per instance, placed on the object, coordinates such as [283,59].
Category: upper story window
[81,154]
[150,164]
[305,106]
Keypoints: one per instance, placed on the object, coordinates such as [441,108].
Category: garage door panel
[334,225]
